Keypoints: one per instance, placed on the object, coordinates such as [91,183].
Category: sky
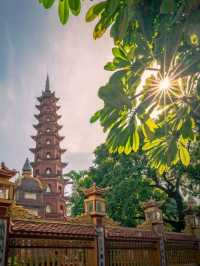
[32,44]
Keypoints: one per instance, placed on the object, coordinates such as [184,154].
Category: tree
[121,175]
[130,182]
[154,91]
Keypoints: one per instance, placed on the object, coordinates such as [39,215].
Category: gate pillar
[6,200]
[192,225]
[154,221]
[95,206]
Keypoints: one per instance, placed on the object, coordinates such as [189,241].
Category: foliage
[154,40]
[130,182]
[65,7]
[127,186]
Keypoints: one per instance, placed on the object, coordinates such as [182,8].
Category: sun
[165,84]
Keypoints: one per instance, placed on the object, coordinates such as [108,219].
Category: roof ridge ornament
[27,166]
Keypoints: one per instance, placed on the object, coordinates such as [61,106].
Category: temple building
[41,188]
[29,191]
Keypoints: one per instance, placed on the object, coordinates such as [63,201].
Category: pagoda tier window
[48,171]
[61,207]
[48,155]
[48,142]
[48,130]
[30,195]
[48,209]
[48,188]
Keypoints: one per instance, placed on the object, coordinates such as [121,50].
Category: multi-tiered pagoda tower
[47,164]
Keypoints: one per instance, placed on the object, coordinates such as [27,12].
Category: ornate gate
[134,253]
[48,252]
[181,253]
[3,235]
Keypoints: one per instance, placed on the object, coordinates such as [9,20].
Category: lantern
[6,186]
[95,204]
[152,212]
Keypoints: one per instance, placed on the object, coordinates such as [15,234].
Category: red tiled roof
[128,233]
[94,190]
[6,172]
[24,227]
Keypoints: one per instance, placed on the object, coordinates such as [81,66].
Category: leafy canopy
[129,182]
[153,93]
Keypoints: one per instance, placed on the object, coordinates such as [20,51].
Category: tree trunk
[179,225]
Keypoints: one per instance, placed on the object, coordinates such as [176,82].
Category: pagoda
[47,164]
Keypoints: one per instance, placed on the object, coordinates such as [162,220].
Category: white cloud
[75,65]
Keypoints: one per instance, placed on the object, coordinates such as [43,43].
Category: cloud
[75,63]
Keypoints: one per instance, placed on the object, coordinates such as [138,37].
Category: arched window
[60,189]
[61,207]
[48,130]
[48,155]
[48,119]
[48,209]
[48,171]
[48,188]
[48,142]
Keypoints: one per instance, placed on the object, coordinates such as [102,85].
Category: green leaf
[149,145]
[75,6]
[184,155]
[120,149]
[110,66]
[95,117]
[99,30]
[118,53]
[186,129]
[167,7]
[128,147]
[94,11]
[172,151]
[63,10]
[123,24]
[47,3]
[151,124]
[111,7]
[136,141]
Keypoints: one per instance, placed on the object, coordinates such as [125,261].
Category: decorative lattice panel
[46,252]
[177,256]
[131,254]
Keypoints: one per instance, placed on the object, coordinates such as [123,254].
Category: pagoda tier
[59,138]
[46,124]
[47,164]
[40,99]
[56,116]
[41,149]
[40,162]
[40,108]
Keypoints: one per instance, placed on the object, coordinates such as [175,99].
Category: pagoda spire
[47,87]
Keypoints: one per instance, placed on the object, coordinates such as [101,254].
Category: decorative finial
[47,87]
[27,166]
[3,166]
